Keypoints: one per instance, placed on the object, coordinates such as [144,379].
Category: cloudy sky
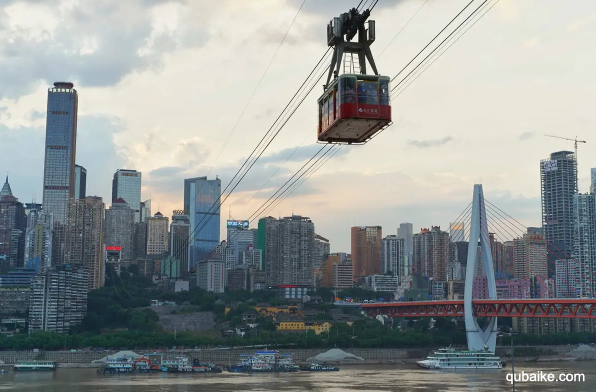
[162,86]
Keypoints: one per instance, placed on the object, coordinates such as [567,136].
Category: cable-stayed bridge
[508,250]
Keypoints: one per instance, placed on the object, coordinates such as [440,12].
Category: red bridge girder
[545,308]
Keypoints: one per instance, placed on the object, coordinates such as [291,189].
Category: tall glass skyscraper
[59,164]
[80,182]
[558,177]
[127,185]
[202,202]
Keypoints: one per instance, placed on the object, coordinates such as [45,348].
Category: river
[369,378]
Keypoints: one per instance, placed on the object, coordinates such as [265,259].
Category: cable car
[354,106]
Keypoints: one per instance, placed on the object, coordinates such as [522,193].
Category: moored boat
[34,365]
[179,364]
[264,362]
[448,358]
[199,367]
[317,367]
[127,365]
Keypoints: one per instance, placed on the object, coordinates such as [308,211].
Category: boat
[34,365]
[316,367]
[180,364]
[127,365]
[199,367]
[118,366]
[264,362]
[448,358]
[3,371]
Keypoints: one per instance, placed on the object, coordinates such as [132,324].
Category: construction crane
[575,141]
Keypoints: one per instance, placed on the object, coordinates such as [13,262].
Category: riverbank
[225,357]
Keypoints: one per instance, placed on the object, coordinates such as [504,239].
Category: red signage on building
[114,248]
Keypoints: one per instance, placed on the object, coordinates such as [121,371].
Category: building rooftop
[6,191]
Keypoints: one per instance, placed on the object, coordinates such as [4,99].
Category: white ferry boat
[34,365]
[179,364]
[448,358]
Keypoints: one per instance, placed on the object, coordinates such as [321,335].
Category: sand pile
[119,354]
[335,355]
[583,352]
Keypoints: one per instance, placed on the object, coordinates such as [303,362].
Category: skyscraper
[558,177]
[593,180]
[126,185]
[530,259]
[157,235]
[80,182]
[406,231]
[393,257]
[38,237]
[58,299]
[59,162]
[179,232]
[584,247]
[322,250]
[240,237]
[366,250]
[120,228]
[13,224]
[288,250]
[431,253]
[202,201]
[84,238]
[145,210]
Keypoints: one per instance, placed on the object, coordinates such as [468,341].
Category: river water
[370,378]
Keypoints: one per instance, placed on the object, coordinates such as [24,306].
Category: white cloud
[480,110]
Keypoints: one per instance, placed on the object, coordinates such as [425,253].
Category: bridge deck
[546,308]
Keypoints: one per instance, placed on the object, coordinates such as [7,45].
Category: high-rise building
[80,182]
[179,234]
[393,256]
[568,279]
[322,250]
[127,185]
[530,257]
[140,240]
[558,177]
[202,200]
[38,237]
[288,250]
[240,237]
[13,224]
[584,248]
[84,238]
[457,232]
[458,260]
[366,250]
[58,299]
[32,206]
[431,253]
[406,231]
[337,272]
[252,257]
[157,235]
[145,210]
[120,228]
[59,163]
[593,180]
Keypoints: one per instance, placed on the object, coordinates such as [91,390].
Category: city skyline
[166,145]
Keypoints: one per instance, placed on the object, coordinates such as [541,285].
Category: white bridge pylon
[479,339]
